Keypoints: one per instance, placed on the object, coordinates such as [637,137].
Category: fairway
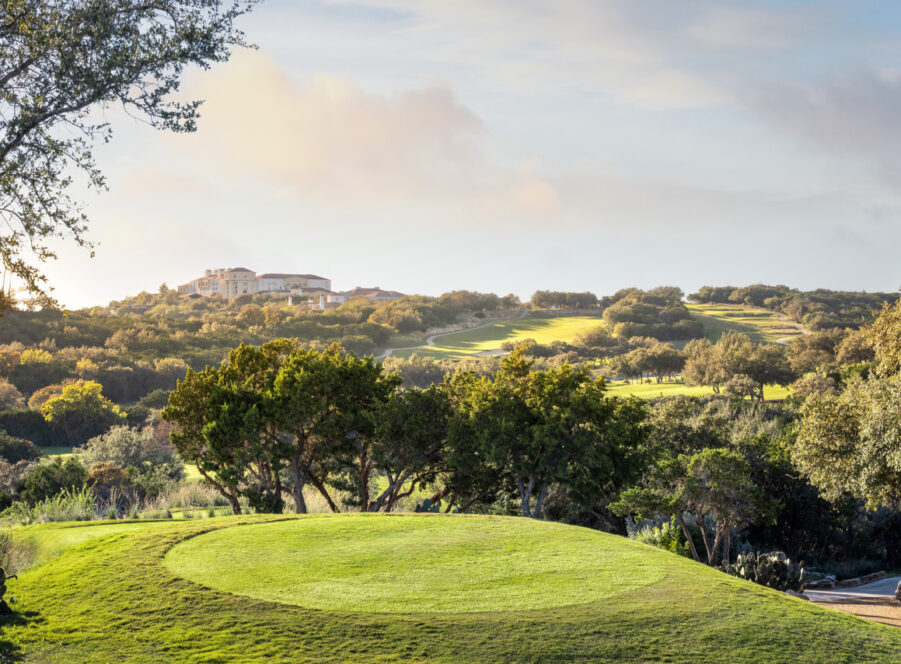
[114,597]
[655,390]
[761,325]
[542,328]
[404,564]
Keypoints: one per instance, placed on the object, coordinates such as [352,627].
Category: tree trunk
[539,503]
[320,487]
[691,542]
[703,529]
[300,504]
[232,498]
[727,545]
[525,494]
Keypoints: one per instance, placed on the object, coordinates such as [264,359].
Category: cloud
[655,54]
[329,140]
[854,115]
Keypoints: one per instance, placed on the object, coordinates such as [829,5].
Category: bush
[30,425]
[773,570]
[10,397]
[17,449]
[150,461]
[667,536]
[106,479]
[15,555]
[49,479]
[67,505]
[82,412]
[157,399]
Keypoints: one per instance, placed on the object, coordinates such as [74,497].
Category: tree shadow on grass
[9,651]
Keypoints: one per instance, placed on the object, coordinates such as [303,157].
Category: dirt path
[873,601]
[785,341]
[430,341]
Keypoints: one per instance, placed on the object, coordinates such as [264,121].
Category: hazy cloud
[854,115]
[329,140]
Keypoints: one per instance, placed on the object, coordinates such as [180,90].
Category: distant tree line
[818,309]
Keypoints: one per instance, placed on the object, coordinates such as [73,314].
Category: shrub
[667,536]
[30,425]
[15,555]
[81,411]
[14,449]
[105,478]
[10,397]
[49,479]
[768,569]
[67,505]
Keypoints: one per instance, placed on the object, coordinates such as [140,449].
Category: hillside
[484,589]
[760,325]
[485,339]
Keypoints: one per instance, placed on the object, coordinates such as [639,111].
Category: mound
[416,564]
[114,598]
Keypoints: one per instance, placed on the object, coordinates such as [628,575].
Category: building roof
[278,275]
[371,292]
[239,269]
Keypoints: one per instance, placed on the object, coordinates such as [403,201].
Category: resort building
[236,281]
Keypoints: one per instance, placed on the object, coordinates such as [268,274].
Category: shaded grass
[109,599]
[542,329]
[760,325]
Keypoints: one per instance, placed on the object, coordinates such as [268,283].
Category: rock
[797,594]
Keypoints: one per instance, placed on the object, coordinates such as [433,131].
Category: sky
[514,145]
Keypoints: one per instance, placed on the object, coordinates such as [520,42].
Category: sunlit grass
[654,390]
[541,328]
[110,598]
[760,325]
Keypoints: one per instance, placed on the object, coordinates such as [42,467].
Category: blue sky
[512,145]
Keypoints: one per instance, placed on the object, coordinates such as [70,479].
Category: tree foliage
[63,59]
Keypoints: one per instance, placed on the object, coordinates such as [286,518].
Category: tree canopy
[62,59]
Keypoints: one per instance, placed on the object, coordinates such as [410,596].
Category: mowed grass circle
[416,563]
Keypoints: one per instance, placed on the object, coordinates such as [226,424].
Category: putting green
[416,563]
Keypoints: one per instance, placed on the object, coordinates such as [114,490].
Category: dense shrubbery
[657,313]
[768,569]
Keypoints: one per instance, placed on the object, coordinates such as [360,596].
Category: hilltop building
[236,281]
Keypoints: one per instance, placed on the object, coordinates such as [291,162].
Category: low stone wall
[827,584]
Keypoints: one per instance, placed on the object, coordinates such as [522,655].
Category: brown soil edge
[878,609]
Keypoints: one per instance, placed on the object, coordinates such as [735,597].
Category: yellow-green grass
[63,451]
[113,598]
[426,564]
[655,390]
[543,329]
[760,325]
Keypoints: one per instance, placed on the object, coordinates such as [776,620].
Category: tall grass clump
[15,555]
[67,505]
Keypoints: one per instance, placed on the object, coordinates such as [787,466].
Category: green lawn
[114,598]
[655,390]
[541,328]
[426,564]
[760,325]
[58,450]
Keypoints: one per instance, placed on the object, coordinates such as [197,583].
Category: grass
[654,390]
[57,450]
[113,598]
[760,325]
[543,329]
[414,565]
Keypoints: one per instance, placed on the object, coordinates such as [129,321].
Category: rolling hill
[414,588]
